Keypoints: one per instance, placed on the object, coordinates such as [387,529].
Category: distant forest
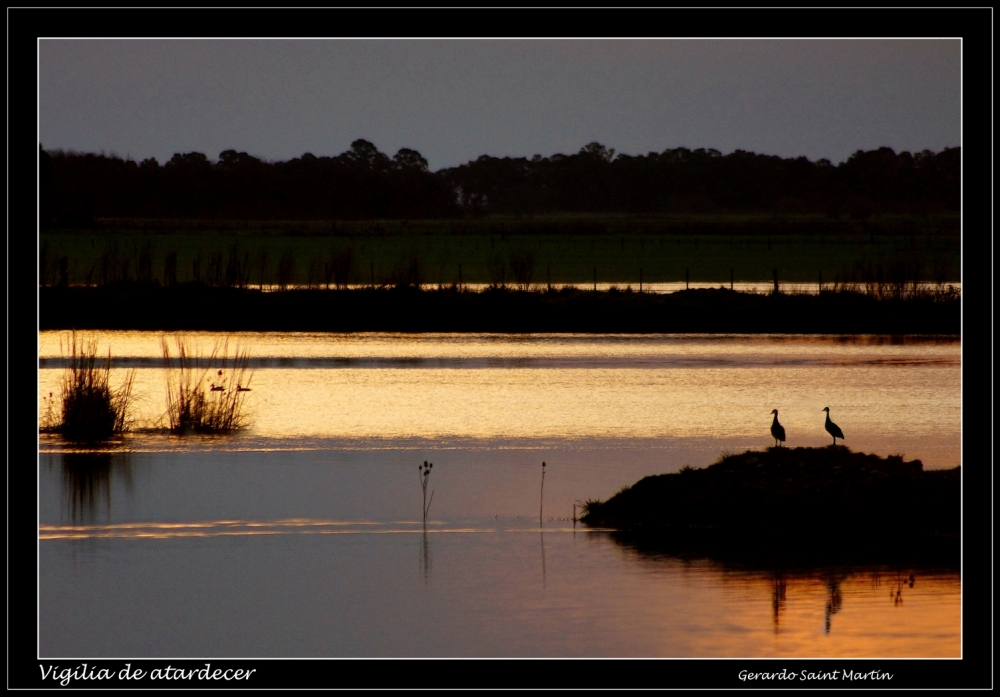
[363,183]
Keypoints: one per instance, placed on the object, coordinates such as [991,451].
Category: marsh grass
[91,410]
[522,265]
[589,506]
[339,267]
[565,250]
[48,418]
[496,270]
[896,279]
[408,271]
[237,267]
[206,394]
[286,269]
[170,269]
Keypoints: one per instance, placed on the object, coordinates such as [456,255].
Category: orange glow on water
[661,606]
[201,534]
[887,397]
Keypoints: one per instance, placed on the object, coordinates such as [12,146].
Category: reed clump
[206,394]
[91,410]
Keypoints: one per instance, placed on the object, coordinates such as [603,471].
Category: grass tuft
[206,395]
[91,410]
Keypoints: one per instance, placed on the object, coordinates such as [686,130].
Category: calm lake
[303,536]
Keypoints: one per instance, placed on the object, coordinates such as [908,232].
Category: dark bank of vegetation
[407,309]
[817,503]
[76,189]
[566,249]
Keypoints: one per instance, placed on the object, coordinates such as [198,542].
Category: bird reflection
[896,592]
[87,482]
[833,599]
[778,598]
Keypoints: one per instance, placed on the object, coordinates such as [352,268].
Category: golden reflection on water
[451,345]
[887,396]
[867,612]
[661,605]
[231,528]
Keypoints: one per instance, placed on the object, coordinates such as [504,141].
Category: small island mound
[788,497]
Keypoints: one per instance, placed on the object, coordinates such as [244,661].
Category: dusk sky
[454,100]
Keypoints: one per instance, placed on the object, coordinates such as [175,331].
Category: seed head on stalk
[425,473]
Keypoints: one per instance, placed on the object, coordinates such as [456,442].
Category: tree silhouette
[364,183]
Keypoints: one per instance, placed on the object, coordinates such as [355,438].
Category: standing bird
[832,428]
[777,430]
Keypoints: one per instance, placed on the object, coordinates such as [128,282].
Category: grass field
[559,250]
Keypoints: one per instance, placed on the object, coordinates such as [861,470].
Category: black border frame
[974,25]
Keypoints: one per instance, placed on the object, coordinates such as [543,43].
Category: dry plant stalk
[425,474]
[218,407]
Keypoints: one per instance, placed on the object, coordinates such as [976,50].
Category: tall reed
[206,394]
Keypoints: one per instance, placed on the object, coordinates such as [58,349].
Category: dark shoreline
[792,506]
[198,307]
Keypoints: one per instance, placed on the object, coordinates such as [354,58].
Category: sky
[454,100]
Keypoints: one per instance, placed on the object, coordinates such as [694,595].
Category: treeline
[358,184]
[595,180]
[364,183]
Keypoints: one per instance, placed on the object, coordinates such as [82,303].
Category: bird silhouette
[777,430]
[832,428]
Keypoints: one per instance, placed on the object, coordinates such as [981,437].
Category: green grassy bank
[558,250]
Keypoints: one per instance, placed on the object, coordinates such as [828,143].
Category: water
[304,535]
[763,286]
